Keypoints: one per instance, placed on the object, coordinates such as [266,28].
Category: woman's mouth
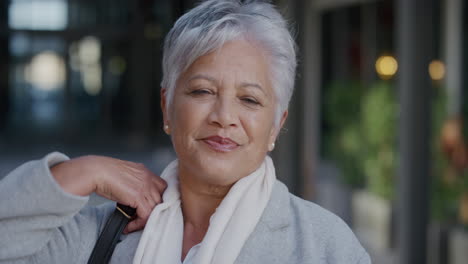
[220,144]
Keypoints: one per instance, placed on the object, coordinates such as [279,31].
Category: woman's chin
[218,175]
[218,168]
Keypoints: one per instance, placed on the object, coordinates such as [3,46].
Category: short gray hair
[211,24]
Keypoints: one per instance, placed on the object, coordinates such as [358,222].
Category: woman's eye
[200,92]
[250,100]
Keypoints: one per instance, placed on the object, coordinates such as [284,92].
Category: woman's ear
[276,129]
[164,106]
[283,119]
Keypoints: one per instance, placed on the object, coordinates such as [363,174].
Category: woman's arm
[40,217]
[122,181]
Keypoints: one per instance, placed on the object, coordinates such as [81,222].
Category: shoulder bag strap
[110,235]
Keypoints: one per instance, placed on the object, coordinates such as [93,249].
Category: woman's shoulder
[330,235]
[306,211]
[314,213]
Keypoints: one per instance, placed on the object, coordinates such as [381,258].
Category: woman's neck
[199,202]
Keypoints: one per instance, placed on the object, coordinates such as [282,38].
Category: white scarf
[230,226]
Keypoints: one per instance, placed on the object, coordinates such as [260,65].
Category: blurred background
[377,130]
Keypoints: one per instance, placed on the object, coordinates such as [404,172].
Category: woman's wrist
[74,176]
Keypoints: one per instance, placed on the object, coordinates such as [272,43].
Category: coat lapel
[277,213]
[271,232]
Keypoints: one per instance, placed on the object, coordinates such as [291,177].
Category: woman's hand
[122,181]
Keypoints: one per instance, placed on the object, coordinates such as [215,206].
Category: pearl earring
[166,129]
[272,146]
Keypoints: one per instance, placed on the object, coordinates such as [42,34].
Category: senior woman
[229,72]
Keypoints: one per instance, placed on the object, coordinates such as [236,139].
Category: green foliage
[448,183]
[445,195]
[342,103]
[444,199]
[379,123]
[362,132]
[342,142]
[361,138]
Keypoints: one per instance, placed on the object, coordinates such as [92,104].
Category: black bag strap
[110,235]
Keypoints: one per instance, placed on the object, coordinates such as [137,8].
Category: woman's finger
[160,182]
[151,201]
[135,225]
[156,198]
[144,207]
[156,193]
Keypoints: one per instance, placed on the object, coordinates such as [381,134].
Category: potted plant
[372,206]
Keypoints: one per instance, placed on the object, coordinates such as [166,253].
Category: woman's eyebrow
[202,76]
[254,85]
[213,80]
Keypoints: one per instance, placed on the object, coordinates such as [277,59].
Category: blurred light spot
[117,65]
[437,70]
[90,50]
[153,31]
[46,71]
[85,58]
[89,53]
[92,79]
[38,15]
[386,66]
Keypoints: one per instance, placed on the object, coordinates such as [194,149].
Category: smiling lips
[221,144]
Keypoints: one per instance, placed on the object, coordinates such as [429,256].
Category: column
[311,50]
[414,53]
[4,65]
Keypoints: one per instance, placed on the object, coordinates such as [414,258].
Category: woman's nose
[224,114]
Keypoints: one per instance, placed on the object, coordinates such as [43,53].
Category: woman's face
[222,115]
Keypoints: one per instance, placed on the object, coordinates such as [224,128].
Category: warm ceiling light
[386,66]
[437,70]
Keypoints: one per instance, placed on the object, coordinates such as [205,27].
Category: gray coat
[40,223]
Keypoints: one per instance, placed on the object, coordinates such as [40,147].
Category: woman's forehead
[238,60]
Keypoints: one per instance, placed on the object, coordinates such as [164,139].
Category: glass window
[38,15]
